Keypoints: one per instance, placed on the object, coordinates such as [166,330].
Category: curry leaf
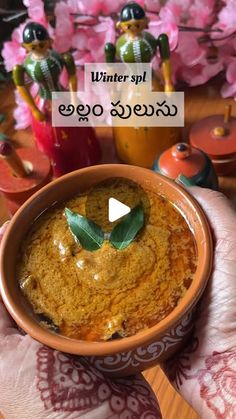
[127,229]
[89,235]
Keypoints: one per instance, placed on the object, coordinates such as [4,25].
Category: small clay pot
[218,140]
[188,165]
[17,190]
[123,356]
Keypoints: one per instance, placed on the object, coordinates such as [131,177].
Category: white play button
[116,209]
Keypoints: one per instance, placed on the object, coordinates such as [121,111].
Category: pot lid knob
[215,135]
[223,130]
[219,132]
[181,151]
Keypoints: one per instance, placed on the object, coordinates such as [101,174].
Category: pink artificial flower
[152,6]
[80,42]
[201,13]
[140,2]
[64,27]
[180,9]
[84,20]
[90,41]
[95,7]
[200,73]
[13,53]
[80,38]
[229,88]
[225,51]
[189,51]
[64,79]
[80,79]
[36,10]
[96,45]
[156,64]
[82,57]
[164,23]
[106,30]
[22,113]
[227,17]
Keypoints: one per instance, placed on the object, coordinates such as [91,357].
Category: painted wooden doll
[140,146]
[68,148]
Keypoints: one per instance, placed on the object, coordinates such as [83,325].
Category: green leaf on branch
[127,229]
[89,235]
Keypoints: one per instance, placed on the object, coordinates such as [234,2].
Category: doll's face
[38,47]
[133,27]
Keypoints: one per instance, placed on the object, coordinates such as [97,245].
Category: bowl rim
[143,337]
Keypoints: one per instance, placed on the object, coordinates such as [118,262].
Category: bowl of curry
[125,304]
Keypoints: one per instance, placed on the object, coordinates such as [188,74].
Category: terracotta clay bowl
[128,355]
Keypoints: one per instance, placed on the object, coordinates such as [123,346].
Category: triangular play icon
[116,209]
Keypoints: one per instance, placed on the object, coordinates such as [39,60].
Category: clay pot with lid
[128,355]
[187,164]
[22,173]
[216,136]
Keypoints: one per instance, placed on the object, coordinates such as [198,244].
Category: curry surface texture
[98,295]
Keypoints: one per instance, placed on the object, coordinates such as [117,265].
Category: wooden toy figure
[139,146]
[68,148]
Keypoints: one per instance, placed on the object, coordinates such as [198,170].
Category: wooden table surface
[199,102]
